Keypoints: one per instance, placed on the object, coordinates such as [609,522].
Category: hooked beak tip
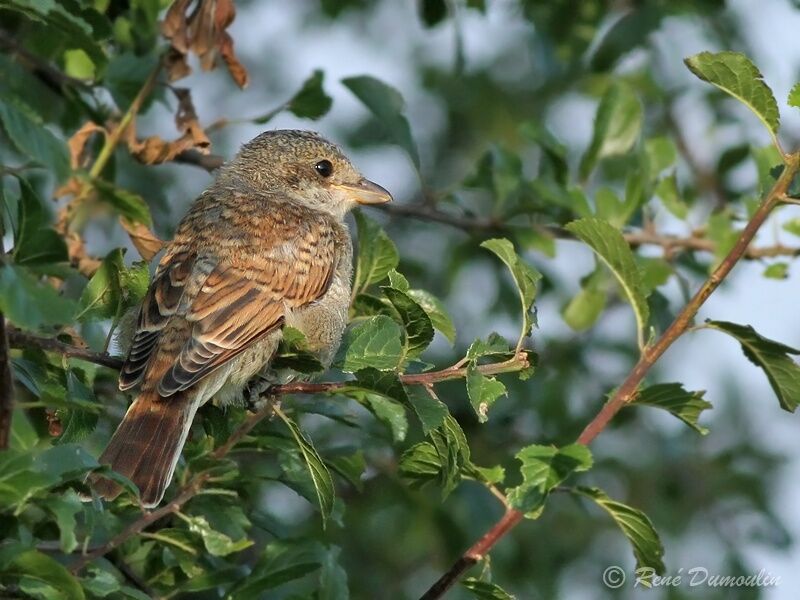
[367,192]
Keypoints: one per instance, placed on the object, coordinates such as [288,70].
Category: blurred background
[477,78]
[724,501]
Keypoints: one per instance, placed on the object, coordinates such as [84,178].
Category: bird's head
[308,168]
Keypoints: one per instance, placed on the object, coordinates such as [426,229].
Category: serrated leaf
[453,452]
[419,465]
[40,568]
[617,125]
[494,345]
[635,525]
[125,203]
[417,325]
[320,476]
[794,96]
[377,254]
[525,276]
[436,312]
[672,397]
[64,507]
[609,245]
[387,106]
[781,371]
[483,392]
[374,342]
[485,590]
[543,468]
[386,397]
[31,138]
[30,303]
[102,296]
[216,542]
[735,74]
[77,423]
[431,411]
[311,102]
[35,242]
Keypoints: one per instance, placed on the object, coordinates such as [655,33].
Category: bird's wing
[234,306]
[161,302]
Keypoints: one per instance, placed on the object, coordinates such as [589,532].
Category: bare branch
[22,340]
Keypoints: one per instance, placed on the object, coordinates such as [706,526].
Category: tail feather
[146,446]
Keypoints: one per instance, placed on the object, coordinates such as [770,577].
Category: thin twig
[629,388]
[22,340]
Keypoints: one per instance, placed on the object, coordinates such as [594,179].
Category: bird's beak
[366,192]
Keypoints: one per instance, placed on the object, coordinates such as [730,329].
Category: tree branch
[6,388]
[629,388]
[23,340]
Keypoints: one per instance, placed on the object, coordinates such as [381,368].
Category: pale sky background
[290,43]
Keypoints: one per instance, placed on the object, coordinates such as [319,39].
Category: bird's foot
[256,392]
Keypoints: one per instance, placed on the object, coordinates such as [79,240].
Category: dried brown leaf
[77,143]
[145,241]
[174,26]
[235,68]
[175,65]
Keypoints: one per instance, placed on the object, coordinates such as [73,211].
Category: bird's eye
[324,168]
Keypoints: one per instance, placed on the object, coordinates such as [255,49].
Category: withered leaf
[145,241]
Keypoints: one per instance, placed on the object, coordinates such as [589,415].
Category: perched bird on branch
[265,246]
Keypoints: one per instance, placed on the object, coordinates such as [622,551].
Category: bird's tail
[147,444]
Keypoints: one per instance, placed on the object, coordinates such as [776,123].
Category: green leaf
[616,126]
[377,254]
[77,423]
[216,542]
[431,411]
[31,138]
[311,102]
[64,508]
[417,325]
[525,276]
[483,391]
[794,96]
[30,303]
[436,312]
[333,577]
[485,590]
[668,193]
[453,452]
[734,74]
[783,373]
[635,525]
[71,24]
[609,245]
[419,465]
[544,468]
[385,397]
[320,476]
[124,202]
[583,310]
[374,342]
[672,397]
[494,345]
[102,296]
[777,270]
[35,242]
[40,568]
[387,106]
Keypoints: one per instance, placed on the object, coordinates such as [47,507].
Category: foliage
[430,428]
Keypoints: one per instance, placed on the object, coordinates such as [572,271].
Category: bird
[264,247]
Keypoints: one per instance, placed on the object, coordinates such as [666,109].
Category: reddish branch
[629,388]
